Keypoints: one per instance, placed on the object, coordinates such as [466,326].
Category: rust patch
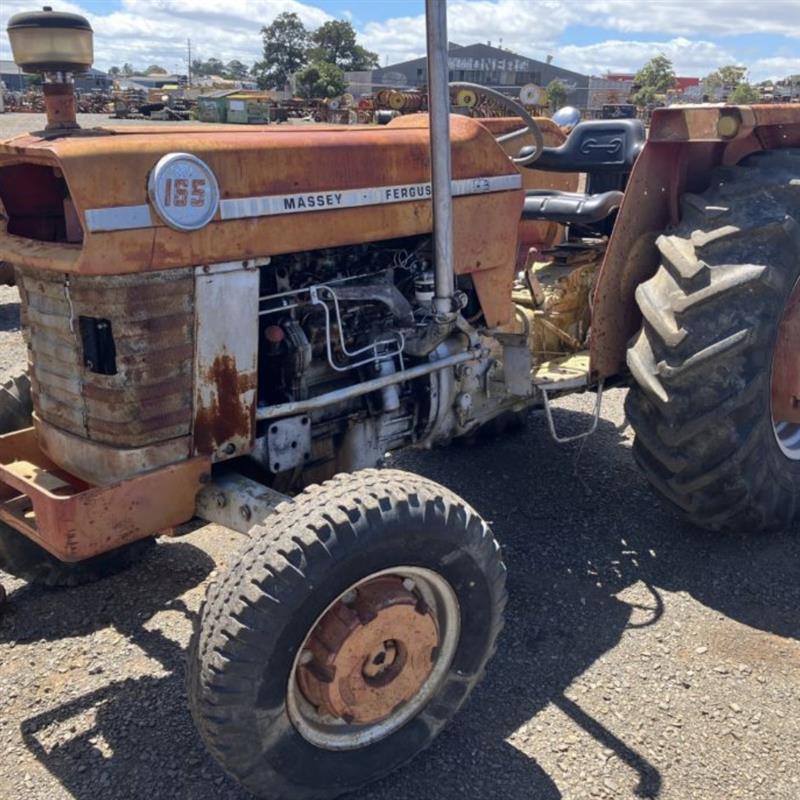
[225,418]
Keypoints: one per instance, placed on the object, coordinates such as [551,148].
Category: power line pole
[189,61]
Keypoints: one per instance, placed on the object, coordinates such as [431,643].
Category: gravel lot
[641,658]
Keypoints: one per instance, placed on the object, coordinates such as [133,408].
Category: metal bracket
[586,434]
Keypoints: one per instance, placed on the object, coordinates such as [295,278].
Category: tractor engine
[335,318]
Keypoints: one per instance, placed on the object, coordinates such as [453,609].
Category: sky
[588,36]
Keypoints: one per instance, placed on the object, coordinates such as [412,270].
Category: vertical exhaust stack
[57,45]
[439,116]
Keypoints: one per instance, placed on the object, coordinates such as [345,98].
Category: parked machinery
[238,325]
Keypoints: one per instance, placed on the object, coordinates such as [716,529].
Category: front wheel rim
[312,698]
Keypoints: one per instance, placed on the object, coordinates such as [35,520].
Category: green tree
[556,94]
[127,70]
[114,72]
[655,78]
[725,78]
[744,94]
[285,51]
[154,69]
[335,42]
[319,80]
[236,70]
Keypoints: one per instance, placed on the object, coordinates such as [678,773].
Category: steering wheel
[512,105]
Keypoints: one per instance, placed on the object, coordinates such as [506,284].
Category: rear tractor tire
[701,401]
[24,559]
[346,635]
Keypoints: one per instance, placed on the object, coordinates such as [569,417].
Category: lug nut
[409,585]
[306,657]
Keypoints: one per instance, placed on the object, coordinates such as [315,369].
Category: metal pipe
[439,122]
[359,389]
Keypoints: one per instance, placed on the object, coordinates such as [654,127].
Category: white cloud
[145,32]
[698,17]
[690,58]
[528,28]
[155,31]
[774,68]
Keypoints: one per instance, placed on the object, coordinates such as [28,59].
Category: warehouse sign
[507,64]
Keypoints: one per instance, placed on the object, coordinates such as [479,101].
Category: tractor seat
[569,207]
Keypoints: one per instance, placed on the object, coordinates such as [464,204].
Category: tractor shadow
[130,732]
[578,525]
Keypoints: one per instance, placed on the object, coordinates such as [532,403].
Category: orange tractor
[236,325]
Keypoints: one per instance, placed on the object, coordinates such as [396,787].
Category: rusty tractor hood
[108,224]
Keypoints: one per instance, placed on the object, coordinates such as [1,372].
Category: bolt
[230,448]
[306,657]
[246,513]
[222,500]
[409,585]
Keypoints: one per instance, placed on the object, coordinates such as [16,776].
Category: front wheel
[346,635]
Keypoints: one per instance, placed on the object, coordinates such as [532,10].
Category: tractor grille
[111,357]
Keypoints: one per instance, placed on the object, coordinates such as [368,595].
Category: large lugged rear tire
[700,403]
[302,595]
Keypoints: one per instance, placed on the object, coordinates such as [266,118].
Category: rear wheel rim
[315,721]
[787,434]
[788,437]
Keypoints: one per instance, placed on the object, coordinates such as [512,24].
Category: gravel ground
[641,658]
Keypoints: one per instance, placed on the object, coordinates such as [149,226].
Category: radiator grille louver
[150,398]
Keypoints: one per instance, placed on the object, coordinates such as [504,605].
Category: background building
[14,79]
[484,64]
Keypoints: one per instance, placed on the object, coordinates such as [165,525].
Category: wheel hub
[370,653]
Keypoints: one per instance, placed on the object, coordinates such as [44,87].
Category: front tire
[24,559]
[700,403]
[16,404]
[307,592]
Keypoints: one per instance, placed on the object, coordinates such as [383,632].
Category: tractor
[236,325]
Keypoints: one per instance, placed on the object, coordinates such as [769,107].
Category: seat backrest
[596,146]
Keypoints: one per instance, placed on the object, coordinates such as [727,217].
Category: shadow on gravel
[578,525]
[141,734]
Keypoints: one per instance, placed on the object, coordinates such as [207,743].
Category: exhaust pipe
[439,121]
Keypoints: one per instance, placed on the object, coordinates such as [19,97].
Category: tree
[154,69]
[656,77]
[744,94]
[725,78]
[236,70]
[285,51]
[334,42]
[127,70]
[319,80]
[556,94]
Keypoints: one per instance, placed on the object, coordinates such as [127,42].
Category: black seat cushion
[569,207]
[594,146]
